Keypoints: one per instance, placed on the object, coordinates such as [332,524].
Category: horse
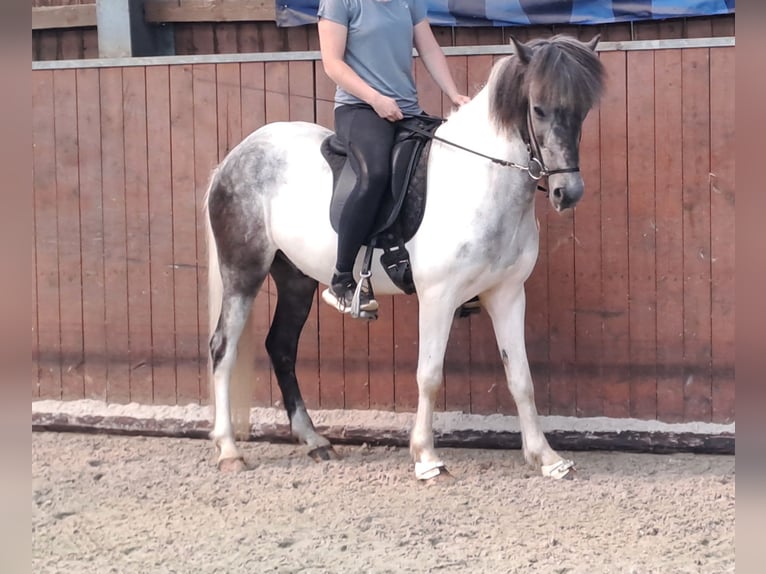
[478,238]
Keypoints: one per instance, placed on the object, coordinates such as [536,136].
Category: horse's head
[560,80]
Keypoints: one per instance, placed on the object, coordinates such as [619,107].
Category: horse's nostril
[558,193]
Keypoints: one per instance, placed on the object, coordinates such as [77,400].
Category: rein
[535,168]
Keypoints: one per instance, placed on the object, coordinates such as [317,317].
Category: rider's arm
[435,62]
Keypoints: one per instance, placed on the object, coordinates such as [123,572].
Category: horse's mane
[563,72]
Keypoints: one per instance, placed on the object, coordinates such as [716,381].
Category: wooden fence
[197,32]
[630,307]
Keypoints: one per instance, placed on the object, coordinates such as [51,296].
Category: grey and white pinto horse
[268,212]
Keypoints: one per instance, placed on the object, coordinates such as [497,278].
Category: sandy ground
[132,504]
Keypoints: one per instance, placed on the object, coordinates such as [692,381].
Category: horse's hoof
[561,470]
[323,453]
[232,465]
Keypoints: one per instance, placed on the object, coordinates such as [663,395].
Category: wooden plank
[184,39]
[205,112]
[356,366]
[226,38]
[158,11]
[301,90]
[203,38]
[325,97]
[71,44]
[561,309]
[614,237]
[92,236]
[90,44]
[669,234]
[48,45]
[253,96]
[73,16]
[696,233]
[138,248]
[722,255]
[229,94]
[429,93]
[723,26]
[46,239]
[253,100]
[188,361]
[589,375]
[68,204]
[537,315]
[161,235]
[405,353]
[331,357]
[457,367]
[277,85]
[641,236]
[381,356]
[486,371]
[115,260]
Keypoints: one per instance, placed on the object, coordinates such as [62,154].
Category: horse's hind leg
[295,295]
[235,309]
[506,306]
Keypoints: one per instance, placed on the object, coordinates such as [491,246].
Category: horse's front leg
[506,306]
[436,314]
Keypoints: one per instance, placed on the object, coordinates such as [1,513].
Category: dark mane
[563,72]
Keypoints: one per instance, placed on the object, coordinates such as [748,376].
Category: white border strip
[444,422]
[315,56]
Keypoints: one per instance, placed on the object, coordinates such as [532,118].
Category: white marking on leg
[303,429]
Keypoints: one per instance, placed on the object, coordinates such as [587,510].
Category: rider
[366,48]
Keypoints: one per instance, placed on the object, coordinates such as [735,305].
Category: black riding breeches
[368,139]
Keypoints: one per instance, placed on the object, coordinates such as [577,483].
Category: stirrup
[364,285]
[371,310]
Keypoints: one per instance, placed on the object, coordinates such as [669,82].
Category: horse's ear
[523,52]
[593,42]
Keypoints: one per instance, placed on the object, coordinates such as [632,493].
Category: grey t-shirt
[379,45]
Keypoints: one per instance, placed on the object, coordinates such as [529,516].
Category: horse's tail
[242,375]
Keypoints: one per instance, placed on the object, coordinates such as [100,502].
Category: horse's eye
[539,111]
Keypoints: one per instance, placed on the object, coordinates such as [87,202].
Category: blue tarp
[531,12]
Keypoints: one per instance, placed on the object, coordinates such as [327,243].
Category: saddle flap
[405,159]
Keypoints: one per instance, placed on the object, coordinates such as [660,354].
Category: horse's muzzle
[566,196]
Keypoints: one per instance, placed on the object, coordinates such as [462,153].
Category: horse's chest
[506,244]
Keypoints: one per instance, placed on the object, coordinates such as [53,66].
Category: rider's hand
[387,108]
[459,100]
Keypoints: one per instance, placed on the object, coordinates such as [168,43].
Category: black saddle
[401,209]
